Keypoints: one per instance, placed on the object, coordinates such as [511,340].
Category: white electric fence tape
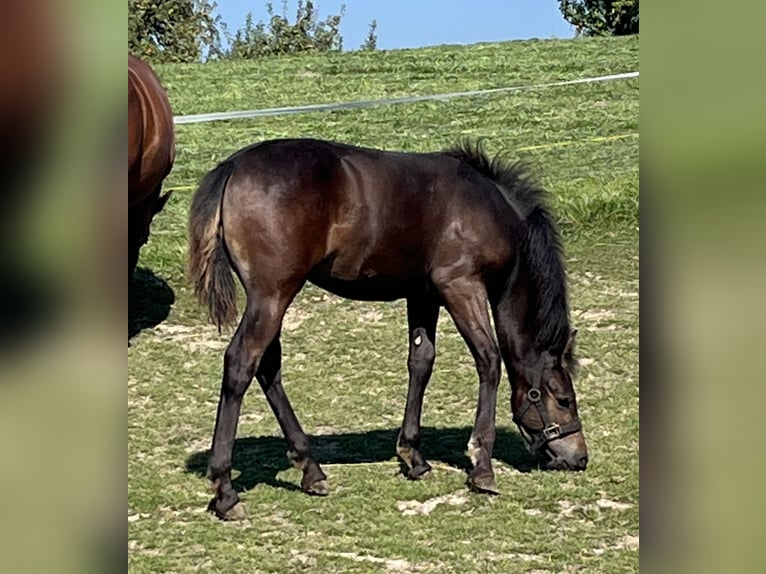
[218,116]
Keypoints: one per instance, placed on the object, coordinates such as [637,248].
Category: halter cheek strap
[551,430]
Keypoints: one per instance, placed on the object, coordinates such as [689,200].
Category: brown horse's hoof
[484,484]
[318,488]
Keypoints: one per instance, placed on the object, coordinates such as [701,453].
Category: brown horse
[151,151]
[34,80]
[32,76]
[452,229]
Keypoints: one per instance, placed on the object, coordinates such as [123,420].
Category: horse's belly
[370,289]
[366,281]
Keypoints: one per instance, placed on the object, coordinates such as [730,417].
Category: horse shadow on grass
[260,459]
[149,301]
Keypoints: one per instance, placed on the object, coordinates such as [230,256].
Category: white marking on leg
[473,450]
[405,453]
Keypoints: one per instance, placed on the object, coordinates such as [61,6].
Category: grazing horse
[151,152]
[453,229]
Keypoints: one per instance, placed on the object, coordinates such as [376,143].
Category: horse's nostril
[582,462]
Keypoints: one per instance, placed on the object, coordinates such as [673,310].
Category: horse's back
[358,185]
[356,195]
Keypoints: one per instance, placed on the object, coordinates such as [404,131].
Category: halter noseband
[550,430]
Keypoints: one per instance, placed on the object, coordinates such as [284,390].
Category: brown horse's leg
[466,301]
[270,378]
[422,315]
[259,326]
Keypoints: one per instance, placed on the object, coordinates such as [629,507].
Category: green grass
[345,361]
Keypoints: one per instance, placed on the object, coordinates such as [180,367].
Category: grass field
[345,362]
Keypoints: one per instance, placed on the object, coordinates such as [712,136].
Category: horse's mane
[542,247]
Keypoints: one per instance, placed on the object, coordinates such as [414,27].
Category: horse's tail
[209,264]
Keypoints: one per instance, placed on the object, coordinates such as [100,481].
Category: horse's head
[545,409]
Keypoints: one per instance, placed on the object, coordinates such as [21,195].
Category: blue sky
[415,23]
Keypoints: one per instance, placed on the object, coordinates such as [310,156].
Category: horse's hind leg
[466,301]
[259,326]
[269,376]
[422,315]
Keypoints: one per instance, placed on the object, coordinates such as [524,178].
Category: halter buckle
[534,395]
[551,432]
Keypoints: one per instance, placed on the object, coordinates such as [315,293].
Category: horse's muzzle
[567,453]
[566,463]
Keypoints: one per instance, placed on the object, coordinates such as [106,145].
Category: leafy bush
[601,17]
[172,30]
[307,34]
[186,31]
[371,42]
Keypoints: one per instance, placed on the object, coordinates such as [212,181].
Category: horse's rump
[151,140]
[151,151]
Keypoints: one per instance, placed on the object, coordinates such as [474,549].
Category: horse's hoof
[420,471]
[318,488]
[236,512]
[484,484]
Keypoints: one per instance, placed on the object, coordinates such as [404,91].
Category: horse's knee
[489,364]
[494,367]
[422,353]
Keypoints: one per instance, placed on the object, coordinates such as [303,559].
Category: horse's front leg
[466,301]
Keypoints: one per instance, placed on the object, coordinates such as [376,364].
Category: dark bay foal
[453,229]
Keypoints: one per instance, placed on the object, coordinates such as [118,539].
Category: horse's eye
[563,403]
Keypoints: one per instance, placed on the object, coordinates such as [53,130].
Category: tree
[173,30]
[371,42]
[601,17]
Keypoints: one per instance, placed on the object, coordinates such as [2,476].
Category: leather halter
[551,430]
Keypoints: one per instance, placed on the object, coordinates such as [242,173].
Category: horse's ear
[161,201]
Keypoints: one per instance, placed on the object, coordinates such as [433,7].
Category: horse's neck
[514,315]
